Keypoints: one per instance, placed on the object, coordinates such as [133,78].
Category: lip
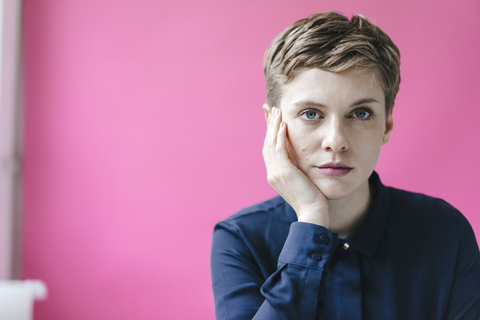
[335,169]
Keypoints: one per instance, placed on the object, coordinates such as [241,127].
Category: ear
[388,126]
[267,110]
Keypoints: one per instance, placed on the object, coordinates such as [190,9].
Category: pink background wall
[144,127]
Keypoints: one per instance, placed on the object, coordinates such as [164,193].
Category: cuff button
[316,256]
[322,238]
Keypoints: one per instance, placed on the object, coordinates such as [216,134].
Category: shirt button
[345,246]
[322,238]
[316,256]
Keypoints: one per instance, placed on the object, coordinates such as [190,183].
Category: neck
[347,214]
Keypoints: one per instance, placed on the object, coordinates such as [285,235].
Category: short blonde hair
[331,42]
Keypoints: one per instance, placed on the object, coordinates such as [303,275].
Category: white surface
[17,297]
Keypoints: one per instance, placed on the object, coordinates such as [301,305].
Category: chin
[333,191]
[337,188]
[334,195]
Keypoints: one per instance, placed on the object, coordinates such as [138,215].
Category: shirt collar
[367,237]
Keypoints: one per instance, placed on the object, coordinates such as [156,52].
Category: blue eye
[361,114]
[310,115]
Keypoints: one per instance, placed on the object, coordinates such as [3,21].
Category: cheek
[367,144]
[302,142]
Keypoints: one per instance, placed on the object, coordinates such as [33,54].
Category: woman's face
[336,125]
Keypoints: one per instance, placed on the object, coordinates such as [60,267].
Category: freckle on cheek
[306,156]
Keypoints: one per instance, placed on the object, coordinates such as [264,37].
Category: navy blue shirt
[414,257]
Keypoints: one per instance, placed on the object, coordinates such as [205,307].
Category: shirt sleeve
[294,291]
[465,294]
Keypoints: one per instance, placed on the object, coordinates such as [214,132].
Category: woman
[336,243]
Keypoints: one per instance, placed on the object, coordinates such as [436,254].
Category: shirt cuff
[308,245]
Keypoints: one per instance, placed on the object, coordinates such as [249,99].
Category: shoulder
[419,202]
[425,212]
[258,209]
[263,225]
[259,213]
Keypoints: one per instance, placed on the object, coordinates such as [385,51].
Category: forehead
[330,88]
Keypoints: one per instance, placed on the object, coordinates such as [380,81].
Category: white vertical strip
[16,298]
[11,117]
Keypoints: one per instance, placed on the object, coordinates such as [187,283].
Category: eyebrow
[309,103]
[362,101]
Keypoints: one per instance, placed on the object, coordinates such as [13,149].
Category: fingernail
[282,125]
[275,111]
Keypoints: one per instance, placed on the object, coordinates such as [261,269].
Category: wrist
[318,218]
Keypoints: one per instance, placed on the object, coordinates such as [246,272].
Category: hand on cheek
[284,176]
[292,155]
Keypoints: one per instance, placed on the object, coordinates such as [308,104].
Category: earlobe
[267,110]
[388,126]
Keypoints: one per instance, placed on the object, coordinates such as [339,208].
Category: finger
[290,151]
[268,151]
[287,145]
[283,157]
[273,125]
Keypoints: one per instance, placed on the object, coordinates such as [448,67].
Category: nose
[335,138]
